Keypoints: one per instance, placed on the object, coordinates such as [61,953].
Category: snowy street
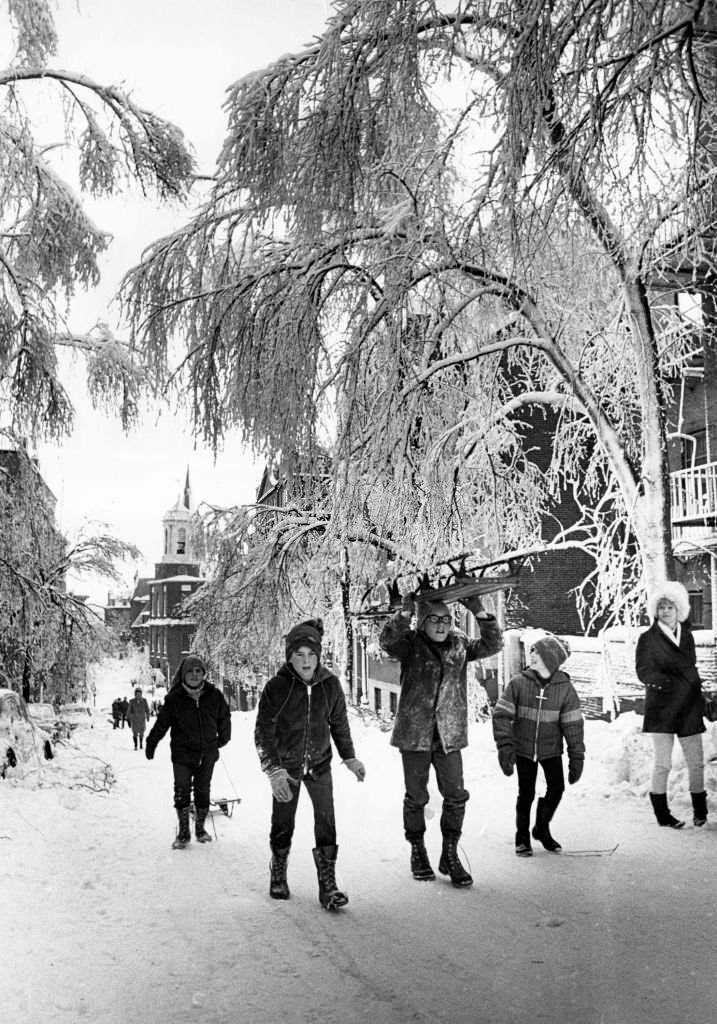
[104,922]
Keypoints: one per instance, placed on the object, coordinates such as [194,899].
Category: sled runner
[452,580]
[606,851]
[217,805]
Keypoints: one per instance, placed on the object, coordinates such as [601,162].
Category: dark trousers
[449,776]
[527,776]
[283,815]
[188,777]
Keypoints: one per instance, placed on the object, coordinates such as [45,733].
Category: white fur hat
[673,591]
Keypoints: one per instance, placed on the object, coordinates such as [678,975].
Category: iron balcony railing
[693,495]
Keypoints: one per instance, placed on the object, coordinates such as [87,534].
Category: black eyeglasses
[435,619]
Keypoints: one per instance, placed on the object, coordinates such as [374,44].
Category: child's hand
[354,765]
[281,785]
[506,759]
[408,606]
[575,770]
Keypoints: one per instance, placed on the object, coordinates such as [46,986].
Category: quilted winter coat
[533,716]
[673,697]
[296,721]
[434,689]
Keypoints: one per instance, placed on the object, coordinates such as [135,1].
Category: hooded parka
[434,689]
[673,689]
[296,721]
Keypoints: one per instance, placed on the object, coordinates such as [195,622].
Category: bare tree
[430,226]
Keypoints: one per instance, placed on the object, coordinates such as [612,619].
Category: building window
[696,608]
[393,702]
[181,541]
[377,699]
[186,642]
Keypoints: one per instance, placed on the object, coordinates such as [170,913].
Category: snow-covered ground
[102,921]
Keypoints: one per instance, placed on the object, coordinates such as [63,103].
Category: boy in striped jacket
[538,710]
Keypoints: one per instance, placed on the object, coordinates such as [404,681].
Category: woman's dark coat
[434,690]
[197,729]
[296,721]
[673,690]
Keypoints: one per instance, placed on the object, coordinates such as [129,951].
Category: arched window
[181,541]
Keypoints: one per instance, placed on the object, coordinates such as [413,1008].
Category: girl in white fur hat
[666,662]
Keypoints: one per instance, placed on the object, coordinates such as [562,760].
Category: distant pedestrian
[116,712]
[199,722]
[537,711]
[137,717]
[123,706]
[301,710]
[666,663]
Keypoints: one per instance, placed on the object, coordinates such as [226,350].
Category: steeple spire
[187,496]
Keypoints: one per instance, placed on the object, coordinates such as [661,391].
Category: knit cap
[306,634]
[553,652]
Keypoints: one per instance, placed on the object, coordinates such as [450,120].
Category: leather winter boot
[541,831]
[699,808]
[184,835]
[278,886]
[662,811]
[450,863]
[199,829]
[420,865]
[330,896]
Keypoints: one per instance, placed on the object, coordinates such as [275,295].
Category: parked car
[75,716]
[45,716]
[22,742]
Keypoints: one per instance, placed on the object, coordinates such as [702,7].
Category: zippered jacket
[533,716]
[434,689]
[296,721]
[196,728]
[673,689]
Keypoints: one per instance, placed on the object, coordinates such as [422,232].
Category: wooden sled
[218,805]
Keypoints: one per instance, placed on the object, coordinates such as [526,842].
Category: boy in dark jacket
[538,709]
[199,723]
[301,709]
[431,725]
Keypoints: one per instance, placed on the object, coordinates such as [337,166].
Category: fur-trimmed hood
[673,591]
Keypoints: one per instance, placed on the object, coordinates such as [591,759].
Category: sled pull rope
[231,781]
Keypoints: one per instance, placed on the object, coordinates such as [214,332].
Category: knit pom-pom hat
[672,591]
[553,651]
[306,634]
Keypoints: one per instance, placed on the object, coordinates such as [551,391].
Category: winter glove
[149,753]
[408,606]
[354,765]
[506,758]
[575,770]
[280,785]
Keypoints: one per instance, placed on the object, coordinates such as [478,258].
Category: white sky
[176,57]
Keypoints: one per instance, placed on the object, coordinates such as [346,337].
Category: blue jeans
[283,815]
[449,776]
[187,777]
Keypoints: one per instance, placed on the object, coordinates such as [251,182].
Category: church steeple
[177,522]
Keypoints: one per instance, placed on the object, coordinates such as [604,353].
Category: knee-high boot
[184,835]
[541,830]
[278,885]
[330,896]
[200,831]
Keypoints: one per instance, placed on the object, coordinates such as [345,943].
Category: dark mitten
[149,753]
[506,758]
[575,770]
